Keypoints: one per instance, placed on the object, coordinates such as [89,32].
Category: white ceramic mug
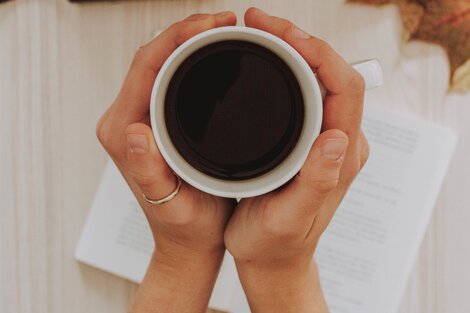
[312,92]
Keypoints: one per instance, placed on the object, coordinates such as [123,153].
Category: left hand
[188,230]
[193,222]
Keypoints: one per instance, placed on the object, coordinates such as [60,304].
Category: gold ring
[167,198]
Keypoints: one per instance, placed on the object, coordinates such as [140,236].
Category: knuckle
[176,26]
[180,217]
[99,131]
[275,228]
[364,152]
[351,171]
[356,167]
[364,158]
[192,25]
[103,132]
[212,21]
[356,82]
[149,172]
[324,181]
[144,181]
[324,186]
[287,28]
[323,47]
[139,55]
[209,21]
[196,17]
[108,133]
[181,31]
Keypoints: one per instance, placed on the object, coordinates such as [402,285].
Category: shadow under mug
[312,92]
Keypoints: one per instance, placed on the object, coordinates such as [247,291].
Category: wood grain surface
[62,64]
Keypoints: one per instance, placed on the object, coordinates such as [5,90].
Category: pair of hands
[272,237]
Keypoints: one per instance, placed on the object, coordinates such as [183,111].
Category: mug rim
[284,171]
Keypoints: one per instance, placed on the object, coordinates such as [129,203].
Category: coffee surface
[234,110]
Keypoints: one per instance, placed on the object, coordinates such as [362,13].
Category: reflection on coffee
[234,110]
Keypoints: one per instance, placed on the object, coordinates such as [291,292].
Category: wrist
[176,284]
[269,276]
[183,260]
[282,287]
[173,251]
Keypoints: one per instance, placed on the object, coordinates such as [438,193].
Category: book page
[116,237]
[367,252]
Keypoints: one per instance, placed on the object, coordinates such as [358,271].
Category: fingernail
[300,33]
[333,149]
[138,143]
[261,12]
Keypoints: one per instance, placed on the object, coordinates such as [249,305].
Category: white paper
[366,254]
[116,237]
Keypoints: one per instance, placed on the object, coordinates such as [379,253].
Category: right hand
[273,237]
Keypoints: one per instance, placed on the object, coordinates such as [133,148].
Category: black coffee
[234,110]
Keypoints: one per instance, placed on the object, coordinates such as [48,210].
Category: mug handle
[370,70]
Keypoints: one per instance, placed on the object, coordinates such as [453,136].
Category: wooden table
[61,65]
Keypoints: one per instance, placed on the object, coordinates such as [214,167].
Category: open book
[366,254]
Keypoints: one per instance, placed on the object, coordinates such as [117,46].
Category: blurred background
[62,63]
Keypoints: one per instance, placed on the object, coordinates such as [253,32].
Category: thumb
[146,165]
[319,175]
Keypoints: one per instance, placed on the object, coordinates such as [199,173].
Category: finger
[334,72]
[319,176]
[135,94]
[324,216]
[153,177]
[344,102]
